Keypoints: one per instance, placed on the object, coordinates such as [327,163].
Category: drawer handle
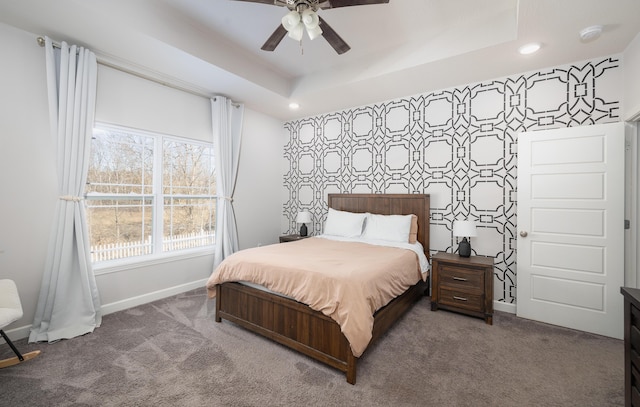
[459,298]
[459,278]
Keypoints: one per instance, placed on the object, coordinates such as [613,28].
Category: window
[148,194]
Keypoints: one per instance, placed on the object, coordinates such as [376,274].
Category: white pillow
[342,223]
[395,228]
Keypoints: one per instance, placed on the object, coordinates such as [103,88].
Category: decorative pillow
[393,228]
[413,233]
[343,223]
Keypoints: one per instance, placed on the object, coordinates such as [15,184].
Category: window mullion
[158,206]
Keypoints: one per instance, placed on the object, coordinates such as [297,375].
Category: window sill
[116,266]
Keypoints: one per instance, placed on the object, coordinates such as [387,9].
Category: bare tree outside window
[189,189]
[148,194]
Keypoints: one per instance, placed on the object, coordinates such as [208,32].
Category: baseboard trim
[150,297]
[23,331]
[17,333]
[504,307]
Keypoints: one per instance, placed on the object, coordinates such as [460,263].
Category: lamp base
[303,230]
[464,248]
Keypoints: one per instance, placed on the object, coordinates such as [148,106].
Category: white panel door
[570,255]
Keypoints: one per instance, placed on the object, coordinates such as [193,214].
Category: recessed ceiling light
[294,106]
[529,48]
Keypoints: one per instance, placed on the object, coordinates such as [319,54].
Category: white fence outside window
[122,250]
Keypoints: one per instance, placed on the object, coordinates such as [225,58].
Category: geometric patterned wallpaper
[459,145]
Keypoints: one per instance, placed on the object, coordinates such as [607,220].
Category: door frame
[632,188]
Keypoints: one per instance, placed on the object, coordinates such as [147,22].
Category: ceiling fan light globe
[291,20]
[310,18]
[314,32]
[296,32]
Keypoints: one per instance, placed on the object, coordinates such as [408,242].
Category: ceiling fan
[303,15]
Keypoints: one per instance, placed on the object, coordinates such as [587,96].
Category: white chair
[11,311]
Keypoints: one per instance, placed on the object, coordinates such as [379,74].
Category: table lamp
[303,217]
[464,229]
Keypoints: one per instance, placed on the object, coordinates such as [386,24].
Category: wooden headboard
[389,204]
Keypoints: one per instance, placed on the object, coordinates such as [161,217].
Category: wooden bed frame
[310,332]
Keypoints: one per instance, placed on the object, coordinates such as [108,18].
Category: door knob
[523,234]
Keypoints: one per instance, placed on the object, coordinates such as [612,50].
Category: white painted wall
[138,103]
[28,182]
[631,58]
[631,255]
[27,170]
[257,199]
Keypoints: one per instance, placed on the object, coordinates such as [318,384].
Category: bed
[301,328]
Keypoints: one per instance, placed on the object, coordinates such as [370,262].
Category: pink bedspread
[347,281]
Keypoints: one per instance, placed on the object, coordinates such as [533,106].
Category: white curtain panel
[69,305]
[227,133]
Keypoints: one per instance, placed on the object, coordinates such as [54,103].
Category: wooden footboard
[297,326]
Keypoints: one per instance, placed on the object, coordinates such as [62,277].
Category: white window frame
[158,256]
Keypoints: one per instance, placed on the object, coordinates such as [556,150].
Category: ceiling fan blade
[272,2]
[275,38]
[347,3]
[333,38]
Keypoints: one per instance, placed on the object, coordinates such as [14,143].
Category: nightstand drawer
[461,299]
[461,278]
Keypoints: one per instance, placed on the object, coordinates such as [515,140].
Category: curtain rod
[105,62]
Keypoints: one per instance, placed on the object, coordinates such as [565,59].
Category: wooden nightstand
[462,284]
[291,238]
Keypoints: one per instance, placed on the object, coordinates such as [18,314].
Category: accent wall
[459,145]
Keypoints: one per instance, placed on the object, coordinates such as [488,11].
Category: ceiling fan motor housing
[301,5]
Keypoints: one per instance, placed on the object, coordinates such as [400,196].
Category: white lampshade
[464,228]
[296,32]
[314,32]
[303,217]
[310,18]
[291,20]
